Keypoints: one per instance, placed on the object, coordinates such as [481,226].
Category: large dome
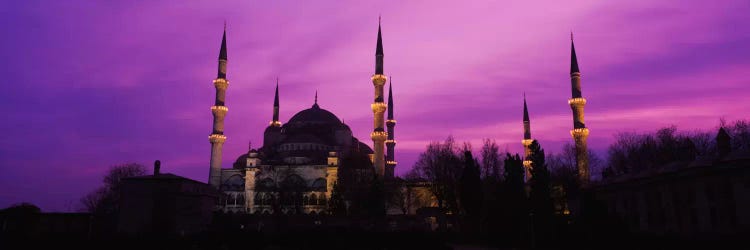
[315,115]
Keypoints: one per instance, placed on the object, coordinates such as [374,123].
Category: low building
[165,203]
[707,197]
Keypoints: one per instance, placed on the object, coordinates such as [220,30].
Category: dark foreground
[350,240]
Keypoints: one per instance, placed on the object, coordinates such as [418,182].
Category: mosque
[296,168]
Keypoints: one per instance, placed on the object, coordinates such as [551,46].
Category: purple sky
[89,85]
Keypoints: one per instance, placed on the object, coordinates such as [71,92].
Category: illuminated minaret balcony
[219,109]
[379,135]
[577,101]
[275,123]
[221,83]
[378,107]
[579,132]
[217,138]
[379,79]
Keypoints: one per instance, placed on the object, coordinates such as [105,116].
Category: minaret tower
[275,121]
[219,111]
[390,163]
[378,108]
[526,140]
[579,132]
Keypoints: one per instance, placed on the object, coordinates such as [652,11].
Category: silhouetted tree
[514,208]
[105,200]
[739,131]
[440,166]
[563,170]
[491,163]
[356,176]
[376,199]
[492,166]
[471,190]
[540,198]
[633,153]
[336,205]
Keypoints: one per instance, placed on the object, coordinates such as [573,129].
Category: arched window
[313,199]
[267,199]
[240,199]
[293,181]
[258,200]
[266,184]
[234,183]
[319,184]
[322,200]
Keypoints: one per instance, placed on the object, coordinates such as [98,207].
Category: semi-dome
[315,115]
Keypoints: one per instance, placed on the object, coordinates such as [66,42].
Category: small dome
[364,148]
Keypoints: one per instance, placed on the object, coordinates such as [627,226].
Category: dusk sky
[90,84]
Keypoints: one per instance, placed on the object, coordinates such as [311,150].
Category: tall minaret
[390,163]
[579,132]
[275,121]
[217,137]
[526,140]
[378,108]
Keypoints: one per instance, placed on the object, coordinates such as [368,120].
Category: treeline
[636,152]
[490,195]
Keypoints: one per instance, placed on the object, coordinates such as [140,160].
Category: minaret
[390,163]
[275,121]
[526,140]
[219,111]
[579,132]
[378,108]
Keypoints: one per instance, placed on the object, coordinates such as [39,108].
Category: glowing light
[391,162]
[390,121]
[577,101]
[275,123]
[390,141]
[220,108]
[527,163]
[378,78]
[378,135]
[526,142]
[221,83]
[217,138]
[378,107]
[579,132]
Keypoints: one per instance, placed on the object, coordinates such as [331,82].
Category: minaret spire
[574,67]
[223,54]
[219,111]
[527,132]
[579,132]
[275,121]
[379,52]
[390,143]
[379,135]
[390,100]
[526,139]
